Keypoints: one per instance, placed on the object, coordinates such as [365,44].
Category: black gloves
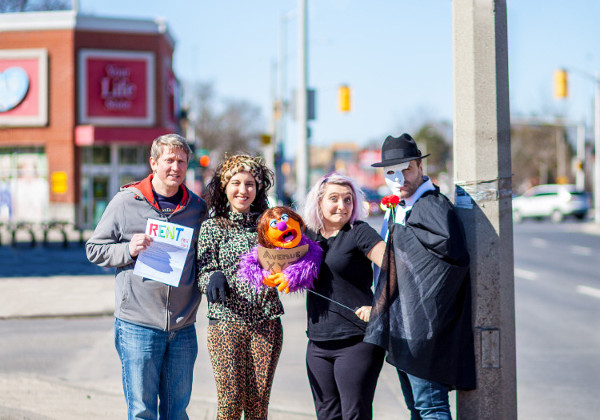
[217,289]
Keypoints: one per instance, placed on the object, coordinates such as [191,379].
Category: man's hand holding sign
[161,251]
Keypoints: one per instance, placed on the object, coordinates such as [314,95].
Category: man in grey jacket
[155,334]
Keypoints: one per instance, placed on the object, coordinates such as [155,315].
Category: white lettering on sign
[114,71]
[116,89]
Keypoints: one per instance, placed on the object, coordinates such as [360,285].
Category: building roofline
[69,19]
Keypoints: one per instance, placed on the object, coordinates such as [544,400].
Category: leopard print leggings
[244,358]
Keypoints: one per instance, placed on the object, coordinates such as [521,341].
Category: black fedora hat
[398,150]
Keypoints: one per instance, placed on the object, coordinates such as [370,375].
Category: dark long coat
[422,305]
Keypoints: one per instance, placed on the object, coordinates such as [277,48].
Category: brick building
[81,99]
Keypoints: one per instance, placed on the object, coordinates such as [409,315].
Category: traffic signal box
[265,139]
[560,84]
[344,98]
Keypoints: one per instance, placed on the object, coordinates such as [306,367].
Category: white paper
[164,259]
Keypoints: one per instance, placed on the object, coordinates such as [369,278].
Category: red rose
[390,201]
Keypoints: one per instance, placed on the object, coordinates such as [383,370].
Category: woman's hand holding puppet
[284,258]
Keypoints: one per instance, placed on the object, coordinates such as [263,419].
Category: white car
[554,201]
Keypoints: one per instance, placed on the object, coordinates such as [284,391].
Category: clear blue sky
[395,54]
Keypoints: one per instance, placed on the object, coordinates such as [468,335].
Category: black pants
[343,375]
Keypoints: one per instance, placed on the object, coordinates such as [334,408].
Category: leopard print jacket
[219,249]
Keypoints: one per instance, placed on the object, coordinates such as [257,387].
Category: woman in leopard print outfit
[244,332]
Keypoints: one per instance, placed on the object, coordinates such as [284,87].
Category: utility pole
[597,152]
[580,173]
[561,165]
[269,148]
[596,79]
[282,104]
[301,106]
[482,172]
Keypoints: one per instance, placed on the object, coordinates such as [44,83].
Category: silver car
[554,201]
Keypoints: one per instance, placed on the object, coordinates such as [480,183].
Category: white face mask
[394,177]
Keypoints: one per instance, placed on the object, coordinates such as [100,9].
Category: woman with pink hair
[342,369]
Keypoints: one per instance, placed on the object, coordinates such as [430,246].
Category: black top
[345,276]
[168,204]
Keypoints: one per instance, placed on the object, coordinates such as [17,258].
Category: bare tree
[431,140]
[12,6]
[224,126]
[50,5]
[240,122]
[534,150]
[16,6]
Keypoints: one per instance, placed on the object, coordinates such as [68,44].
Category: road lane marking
[539,243]
[581,250]
[526,274]
[590,291]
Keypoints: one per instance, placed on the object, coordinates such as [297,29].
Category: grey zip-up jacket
[140,300]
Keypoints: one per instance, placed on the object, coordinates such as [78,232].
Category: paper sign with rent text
[165,258]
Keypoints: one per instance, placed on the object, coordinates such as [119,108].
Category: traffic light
[560,84]
[265,139]
[204,161]
[344,98]
[204,158]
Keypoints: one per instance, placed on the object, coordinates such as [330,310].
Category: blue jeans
[156,366]
[425,399]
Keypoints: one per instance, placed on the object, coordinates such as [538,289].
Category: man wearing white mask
[422,306]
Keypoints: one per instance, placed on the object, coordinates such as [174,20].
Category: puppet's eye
[284,217]
[273,223]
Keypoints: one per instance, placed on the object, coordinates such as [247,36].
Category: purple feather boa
[300,275]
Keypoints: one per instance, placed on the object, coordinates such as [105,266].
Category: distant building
[81,99]
[349,159]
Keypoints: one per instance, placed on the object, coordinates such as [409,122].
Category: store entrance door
[94,198]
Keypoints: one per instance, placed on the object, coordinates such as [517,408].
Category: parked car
[553,201]
[372,203]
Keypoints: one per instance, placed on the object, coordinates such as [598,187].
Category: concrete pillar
[482,172]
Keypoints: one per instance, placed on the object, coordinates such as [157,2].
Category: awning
[87,135]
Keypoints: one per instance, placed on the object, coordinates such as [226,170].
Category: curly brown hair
[275,213]
[215,190]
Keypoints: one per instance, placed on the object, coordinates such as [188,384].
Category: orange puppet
[284,257]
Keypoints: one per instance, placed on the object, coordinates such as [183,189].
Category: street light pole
[580,173]
[596,80]
[597,151]
[301,108]
[282,105]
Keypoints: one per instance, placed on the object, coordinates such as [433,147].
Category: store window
[23,184]
[95,155]
[131,155]
[104,170]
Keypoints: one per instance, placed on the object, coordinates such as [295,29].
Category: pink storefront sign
[23,87]
[116,88]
